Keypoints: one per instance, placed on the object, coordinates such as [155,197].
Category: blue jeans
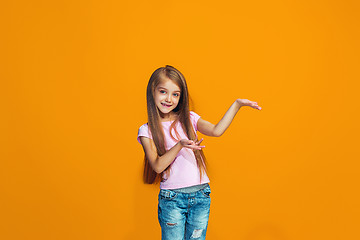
[184,215]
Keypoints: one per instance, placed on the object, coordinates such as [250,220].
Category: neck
[167,117]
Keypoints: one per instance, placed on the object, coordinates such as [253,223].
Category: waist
[191,189]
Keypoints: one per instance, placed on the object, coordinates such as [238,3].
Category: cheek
[158,97]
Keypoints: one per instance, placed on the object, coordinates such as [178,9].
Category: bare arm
[159,164]
[217,130]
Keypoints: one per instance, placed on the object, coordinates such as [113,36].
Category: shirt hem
[175,186]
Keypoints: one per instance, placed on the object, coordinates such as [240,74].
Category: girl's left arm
[217,130]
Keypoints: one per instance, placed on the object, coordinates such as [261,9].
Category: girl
[174,156]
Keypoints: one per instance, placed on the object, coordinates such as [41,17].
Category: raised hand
[246,102]
[192,144]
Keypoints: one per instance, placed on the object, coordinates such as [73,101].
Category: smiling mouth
[166,105]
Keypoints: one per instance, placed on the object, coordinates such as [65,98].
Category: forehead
[168,84]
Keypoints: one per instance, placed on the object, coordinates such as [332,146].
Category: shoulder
[144,132]
[144,126]
[194,115]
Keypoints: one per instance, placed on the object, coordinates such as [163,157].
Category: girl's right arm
[159,164]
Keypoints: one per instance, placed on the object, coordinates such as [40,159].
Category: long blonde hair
[183,116]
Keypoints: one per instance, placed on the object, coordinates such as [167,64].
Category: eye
[162,91]
[176,94]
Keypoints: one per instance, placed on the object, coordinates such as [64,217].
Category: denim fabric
[184,216]
[191,189]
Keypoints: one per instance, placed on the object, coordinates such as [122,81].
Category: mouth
[165,105]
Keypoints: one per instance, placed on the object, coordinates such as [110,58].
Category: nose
[168,98]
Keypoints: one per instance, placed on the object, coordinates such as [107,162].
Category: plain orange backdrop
[73,95]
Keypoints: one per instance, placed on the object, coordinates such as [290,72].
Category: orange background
[73,83]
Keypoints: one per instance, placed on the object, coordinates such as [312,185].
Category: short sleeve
[194,119]
[144,132]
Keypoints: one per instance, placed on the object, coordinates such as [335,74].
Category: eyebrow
[166,89]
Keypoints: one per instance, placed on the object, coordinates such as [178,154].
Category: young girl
[174,156]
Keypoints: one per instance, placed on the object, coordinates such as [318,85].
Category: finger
[199,148]
[195,147]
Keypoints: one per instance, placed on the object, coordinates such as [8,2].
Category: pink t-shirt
[183,171]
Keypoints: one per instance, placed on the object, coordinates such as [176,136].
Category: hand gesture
[245,102]
[195,145]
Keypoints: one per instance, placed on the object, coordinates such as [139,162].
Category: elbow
[153,163]
[157,168]
[217,134]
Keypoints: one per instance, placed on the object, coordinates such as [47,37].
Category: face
[167,96]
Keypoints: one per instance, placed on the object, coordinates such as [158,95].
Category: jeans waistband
[191,189]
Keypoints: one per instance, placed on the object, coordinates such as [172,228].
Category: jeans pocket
[206,191]
[167,194]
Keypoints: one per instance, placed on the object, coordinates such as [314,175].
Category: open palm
[246,102]
[192,144]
